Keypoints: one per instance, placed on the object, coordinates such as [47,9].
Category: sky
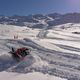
[26,7]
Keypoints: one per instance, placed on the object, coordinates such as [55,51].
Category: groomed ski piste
[55,53]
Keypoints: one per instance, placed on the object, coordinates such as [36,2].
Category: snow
[29,76]
[55,53]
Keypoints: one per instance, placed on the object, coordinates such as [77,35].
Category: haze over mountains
[39,20]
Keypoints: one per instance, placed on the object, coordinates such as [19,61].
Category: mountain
[66,18]
[39,20]
[54,41]
[54,15]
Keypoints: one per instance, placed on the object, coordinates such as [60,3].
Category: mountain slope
[36,21]
[54,52]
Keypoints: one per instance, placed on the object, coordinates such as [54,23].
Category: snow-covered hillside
[55,53]
[35,20]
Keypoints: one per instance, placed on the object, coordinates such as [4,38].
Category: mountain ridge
[52,19]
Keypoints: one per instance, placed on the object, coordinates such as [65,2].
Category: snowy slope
[54,52]
[29,76]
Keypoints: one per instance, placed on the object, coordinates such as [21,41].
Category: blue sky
[25,7]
